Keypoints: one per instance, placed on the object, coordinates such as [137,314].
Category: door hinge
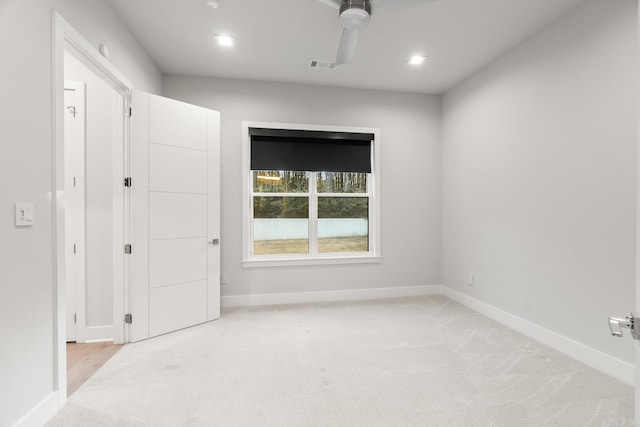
[128,318]
[74,248]
[75,318]
[74,181]
[127,182]
[127,249]
[128,114]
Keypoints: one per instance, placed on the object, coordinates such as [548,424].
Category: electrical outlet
[224,279]
[470,280]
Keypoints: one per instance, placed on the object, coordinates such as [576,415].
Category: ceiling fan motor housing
[355,14]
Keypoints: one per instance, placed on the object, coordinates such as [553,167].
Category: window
[310,195]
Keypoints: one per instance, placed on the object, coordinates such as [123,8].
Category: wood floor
[83,360]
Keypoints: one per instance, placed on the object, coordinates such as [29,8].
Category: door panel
[74,210]
[213,204]
[139,259]
[176,169]
[177,215]
[175,273]
[69,141]
[177,261]
[176,307]
[177,123]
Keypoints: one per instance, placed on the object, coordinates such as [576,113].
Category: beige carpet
[407,362]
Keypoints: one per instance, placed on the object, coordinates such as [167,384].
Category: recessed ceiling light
[224,40]
[416,60]
[213,4]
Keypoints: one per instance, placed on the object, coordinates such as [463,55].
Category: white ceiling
[277,39]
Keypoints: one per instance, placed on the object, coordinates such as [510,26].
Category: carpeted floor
[423,361]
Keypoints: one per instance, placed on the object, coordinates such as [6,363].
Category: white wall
[99,23]
[539,177]
[100,99]
[410,184]
[26,255]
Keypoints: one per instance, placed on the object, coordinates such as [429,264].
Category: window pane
[343,224]
[280,182]
[342,182]
[280,225]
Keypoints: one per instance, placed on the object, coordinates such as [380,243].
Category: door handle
[214,242]
[617,323]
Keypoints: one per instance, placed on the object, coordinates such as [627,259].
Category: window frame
[312,258]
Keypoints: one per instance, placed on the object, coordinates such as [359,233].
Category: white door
[74,209]
[175,215]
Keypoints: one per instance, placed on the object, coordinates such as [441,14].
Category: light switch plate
[24,214]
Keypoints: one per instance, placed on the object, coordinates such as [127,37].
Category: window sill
[295,262]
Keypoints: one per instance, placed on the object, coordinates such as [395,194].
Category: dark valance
[302,150]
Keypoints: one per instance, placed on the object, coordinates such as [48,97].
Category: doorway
[92,128]
[74,195]
[196,127]
[106,134]
[90,131]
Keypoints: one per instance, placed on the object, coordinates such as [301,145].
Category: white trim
[57,213]
[636,305]
[40,414]
[313,215]
[328,296]
[317,260]
[118,205]
[65,37]
[138,261]
[373,193]
[98,334]
[596,359]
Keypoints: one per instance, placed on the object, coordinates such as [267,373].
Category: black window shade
[301,150]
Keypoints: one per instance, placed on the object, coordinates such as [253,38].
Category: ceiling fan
[354,16]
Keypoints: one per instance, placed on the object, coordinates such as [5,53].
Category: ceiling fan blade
[347,47]
[386,6]
[332,3]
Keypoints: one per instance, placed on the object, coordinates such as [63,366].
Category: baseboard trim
[231,301]
[596,359]
[41,413]
[98,334]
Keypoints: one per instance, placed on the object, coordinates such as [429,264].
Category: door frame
[66,38]
[75,153]
[636,343]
